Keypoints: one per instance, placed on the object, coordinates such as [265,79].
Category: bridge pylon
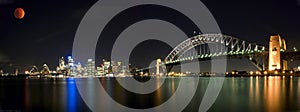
[276,46]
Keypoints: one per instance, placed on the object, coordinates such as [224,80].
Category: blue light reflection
[71,95]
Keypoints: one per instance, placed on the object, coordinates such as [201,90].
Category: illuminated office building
[91,70]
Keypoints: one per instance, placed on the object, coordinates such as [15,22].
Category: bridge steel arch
[233,47]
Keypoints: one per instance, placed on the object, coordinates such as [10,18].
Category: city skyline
[149,55]
[51,31]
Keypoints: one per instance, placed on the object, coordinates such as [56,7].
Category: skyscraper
[91,67]
[71,66]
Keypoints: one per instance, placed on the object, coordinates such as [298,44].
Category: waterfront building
[107,66]
[17,72]
[100,70]
[91,67]
[62,68]
[61,64]
[116,67]
[34,70]
[45,70]
[71,66]
[78,69]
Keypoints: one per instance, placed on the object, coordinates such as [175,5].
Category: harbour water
[273,93]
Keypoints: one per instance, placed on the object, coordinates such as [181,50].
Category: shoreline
[65,77]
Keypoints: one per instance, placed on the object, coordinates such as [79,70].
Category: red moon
[19,13]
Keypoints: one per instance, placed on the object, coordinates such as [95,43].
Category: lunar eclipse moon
[19,13]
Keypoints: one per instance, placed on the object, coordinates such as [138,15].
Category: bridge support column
[158,62]
[276,46]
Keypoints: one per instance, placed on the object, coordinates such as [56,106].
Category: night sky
[47,31]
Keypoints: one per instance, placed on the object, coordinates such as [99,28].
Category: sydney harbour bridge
[207,46]
[204,47]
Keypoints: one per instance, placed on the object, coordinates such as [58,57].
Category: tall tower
[91,70]
[62,63]
[276,46]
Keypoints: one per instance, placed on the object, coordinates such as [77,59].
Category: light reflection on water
[238,94]
[270,94]
[273,89]
[71,92]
